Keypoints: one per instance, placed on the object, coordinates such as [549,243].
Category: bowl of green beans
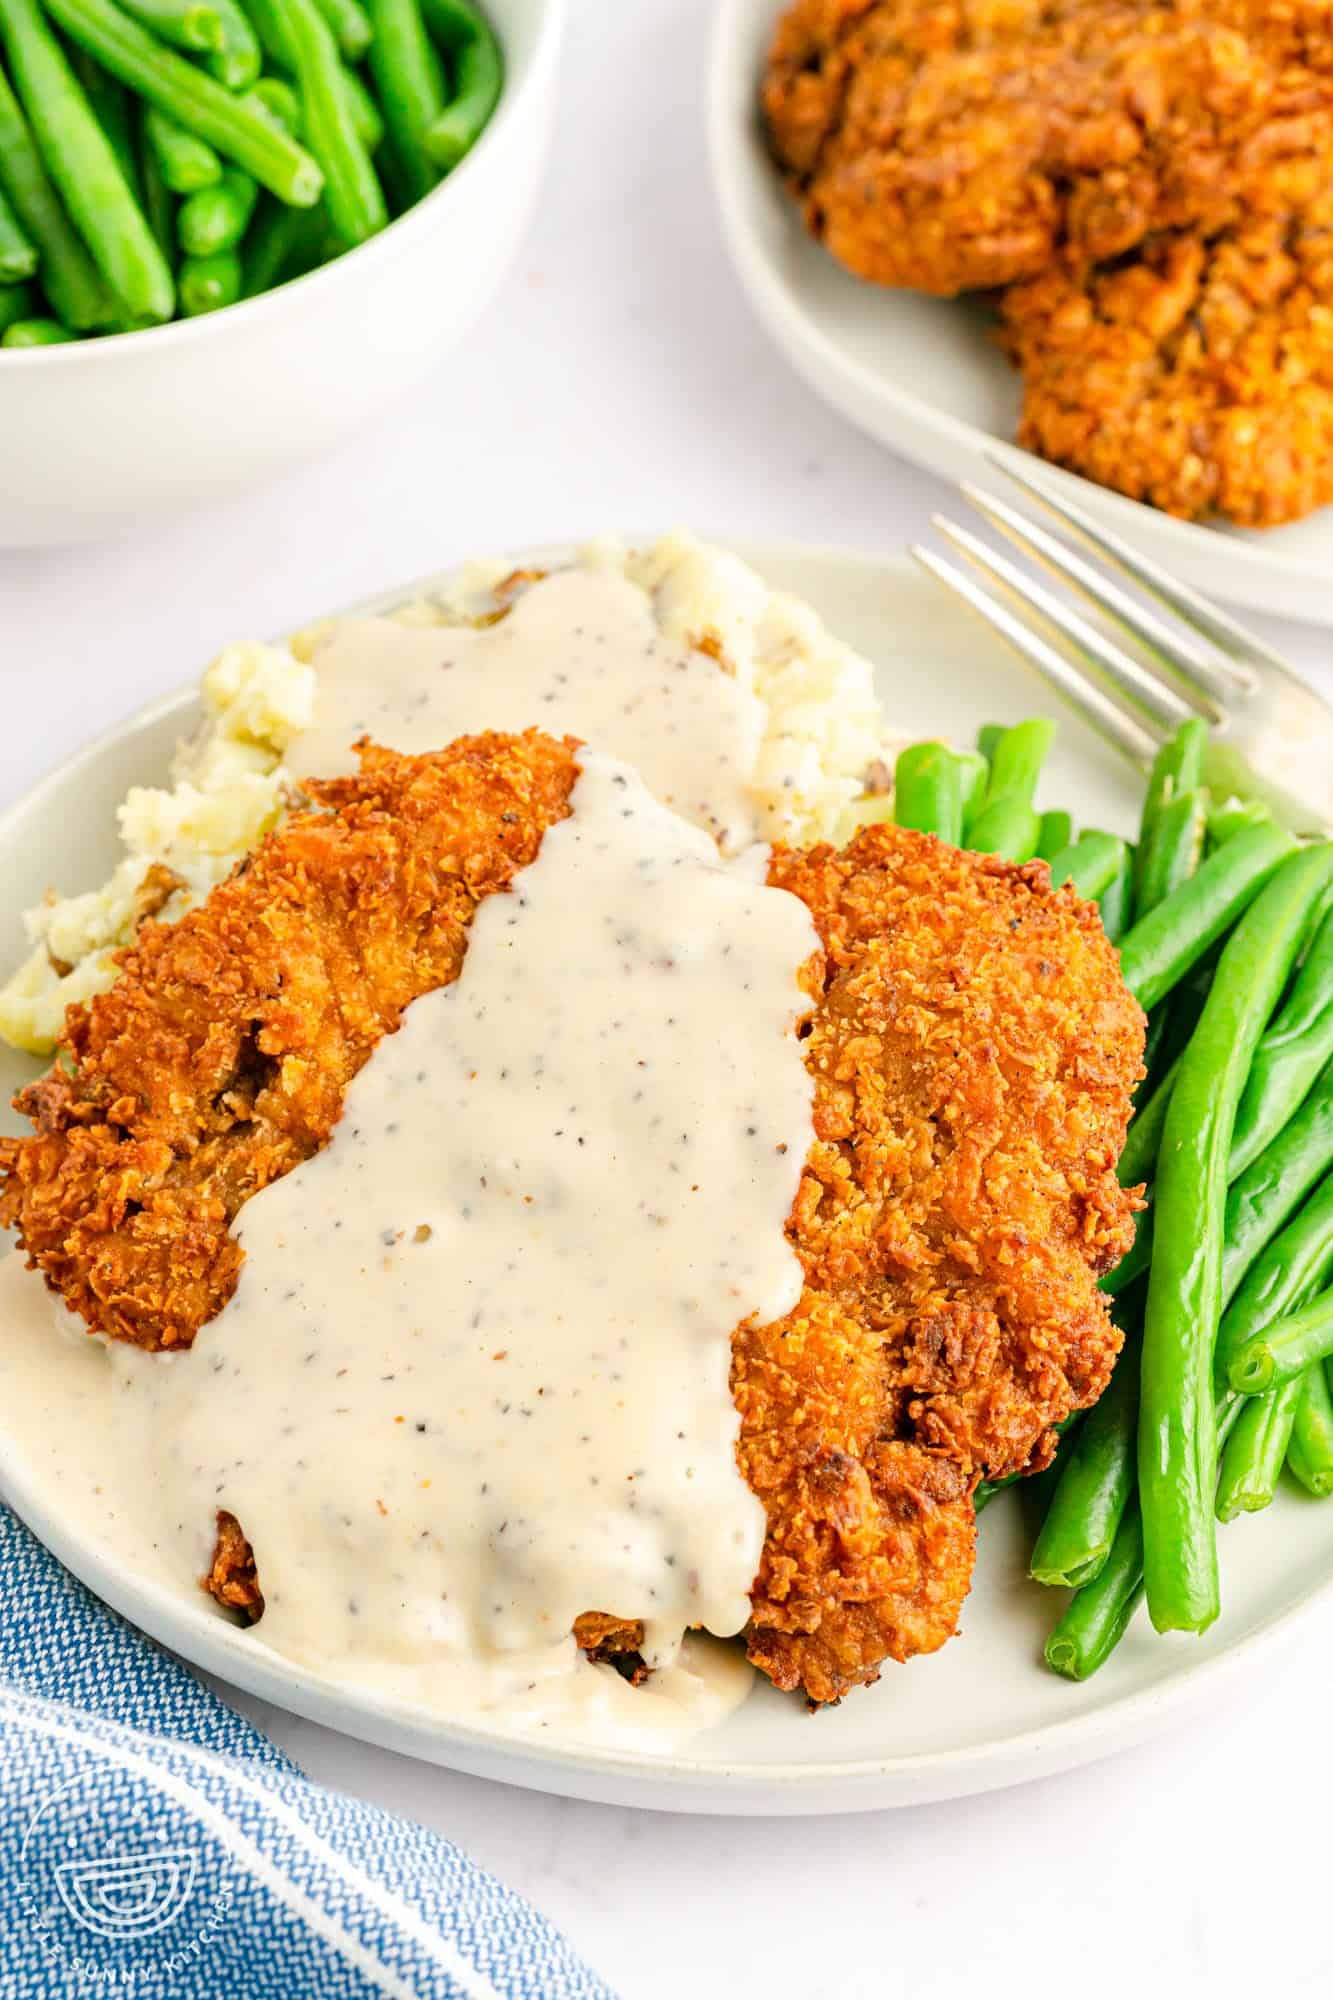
[230,230]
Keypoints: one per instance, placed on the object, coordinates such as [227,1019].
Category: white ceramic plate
[923,375]
[982,1713]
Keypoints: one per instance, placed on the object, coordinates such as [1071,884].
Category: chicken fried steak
[952,145]
[972,1049]
[1198,377]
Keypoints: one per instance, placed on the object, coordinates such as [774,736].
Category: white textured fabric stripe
[151,1840]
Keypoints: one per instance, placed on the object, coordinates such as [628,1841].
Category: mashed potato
[822,766]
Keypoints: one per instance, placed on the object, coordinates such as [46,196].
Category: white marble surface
[618,381]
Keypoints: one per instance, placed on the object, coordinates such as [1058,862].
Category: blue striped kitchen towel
[154,1843]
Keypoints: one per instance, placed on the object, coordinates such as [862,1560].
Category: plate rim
[819,359]
[680,1781]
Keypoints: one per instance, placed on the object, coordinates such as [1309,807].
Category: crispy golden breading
[973,1056]
[1199,377]
[972,1048]
[219,1059]
[950,145]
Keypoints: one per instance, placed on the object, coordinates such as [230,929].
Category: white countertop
[619,382]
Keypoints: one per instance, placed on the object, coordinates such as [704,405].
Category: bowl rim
[516,98]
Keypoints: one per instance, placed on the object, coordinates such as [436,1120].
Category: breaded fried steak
[952,145]
[972,1050]
[1199,377]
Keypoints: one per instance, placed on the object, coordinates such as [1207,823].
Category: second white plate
[923,375]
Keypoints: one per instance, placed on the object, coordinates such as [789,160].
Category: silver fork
[1133,674]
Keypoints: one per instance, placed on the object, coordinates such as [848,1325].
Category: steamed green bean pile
[1224,923]
[164,158]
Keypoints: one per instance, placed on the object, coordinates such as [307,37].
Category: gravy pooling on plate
[474,1380]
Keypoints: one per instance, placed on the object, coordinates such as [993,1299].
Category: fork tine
[1176,653]
[1237,647]
[1143,686]
[1109,717]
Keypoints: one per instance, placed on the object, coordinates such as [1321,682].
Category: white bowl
[922,374]
[102,432]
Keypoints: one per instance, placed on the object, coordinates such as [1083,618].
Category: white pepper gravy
[579,654]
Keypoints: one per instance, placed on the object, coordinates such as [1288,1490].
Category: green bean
[238,61]
[1057,832]
[1256,1452]
[1177,1438]
[1157,952]
[350,24]
[111,107]
[35,333]
[83,165]
[158,201]
[1116,899]
[1291,1055]
[217,217]
[187,24]
[1007,827]
[1095,1484]
[1091,864]
[18,256]
[1177,768]
[70,279]
[1294,1266]
[279,100]
[269,245]
[1154,1050]
[410,85]
[1144,1139]
[272,33]
[928,791]
[1172,850]
[1284,1348]
[478,72]
[365,112]
[1310,1453]
[17,302]
[281,244]
[241,131]
[1016,761]
[1272,1188]
[186,163]
[353,194]
[1094,1621]
[1235,816]
[1139,1155]
[206,283]
[451,23]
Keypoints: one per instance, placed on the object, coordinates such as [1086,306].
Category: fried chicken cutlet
[972,1051]
[954,145]
[972,1057]
[1198,377]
